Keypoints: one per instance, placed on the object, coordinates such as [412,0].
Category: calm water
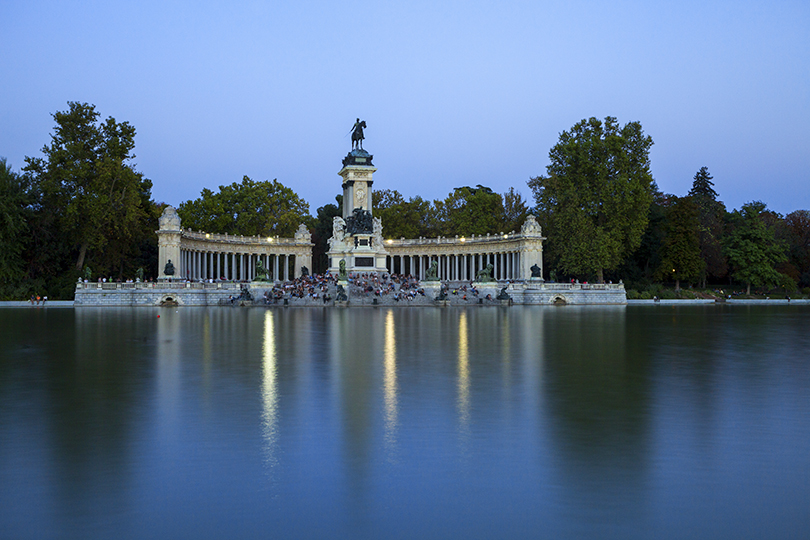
[526,422]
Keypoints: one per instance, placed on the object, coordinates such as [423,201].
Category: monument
[357,235]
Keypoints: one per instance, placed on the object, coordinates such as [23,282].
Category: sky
[453,93]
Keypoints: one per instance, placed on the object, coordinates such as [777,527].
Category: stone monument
[357,235]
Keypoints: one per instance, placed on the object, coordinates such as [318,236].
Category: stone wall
[153,294]
[211,294]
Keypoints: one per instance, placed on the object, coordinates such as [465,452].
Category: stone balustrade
[262,241]
[161,285]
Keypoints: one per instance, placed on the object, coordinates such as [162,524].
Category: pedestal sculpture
[357,235]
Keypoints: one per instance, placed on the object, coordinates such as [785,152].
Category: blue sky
[454,93]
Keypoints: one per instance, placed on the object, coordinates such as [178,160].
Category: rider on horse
[357,134]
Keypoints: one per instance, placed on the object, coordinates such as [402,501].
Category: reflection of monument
[357,235]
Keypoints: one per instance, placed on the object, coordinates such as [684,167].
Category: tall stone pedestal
[357,236]
[169,245]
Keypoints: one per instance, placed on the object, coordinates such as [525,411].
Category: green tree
[596,195]
[249,208]
[798,225]
[680,250]
[401,218]
[322,232]
[752,248]
[515,210]
[639,268]
[467,211]
[87,182]
[702,185]
[712,217]
[14,215]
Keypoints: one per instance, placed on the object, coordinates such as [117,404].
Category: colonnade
[198,265]
[202,256]
[458,266]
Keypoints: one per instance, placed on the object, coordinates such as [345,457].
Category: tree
[680,250]
[752,248]
[249,208]
[515,210]
[702,185]
[467,211]
[798,225]
[322,232]
[87,182]
[596,194]
[14,215]
[712,214]
[400,218]
[639,268]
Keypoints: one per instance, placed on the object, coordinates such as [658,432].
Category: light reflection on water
[463,374]
[390,381]
[269,396]
[613,422]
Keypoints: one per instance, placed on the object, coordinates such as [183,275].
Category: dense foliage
[248,208]
[752,248]
[596,195]
[79,208]
[680,248]
[464,212]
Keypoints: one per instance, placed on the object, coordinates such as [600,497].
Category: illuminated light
[389,241]
[207,235]
[462,239]
[269,239]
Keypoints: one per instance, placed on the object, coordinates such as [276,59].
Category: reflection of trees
[95,395]
[596,391]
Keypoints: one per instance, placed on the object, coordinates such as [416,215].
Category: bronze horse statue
[357,134]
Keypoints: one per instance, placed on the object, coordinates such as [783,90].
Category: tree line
[83,211]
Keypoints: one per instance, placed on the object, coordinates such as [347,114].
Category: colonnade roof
[244,240]
[501,240]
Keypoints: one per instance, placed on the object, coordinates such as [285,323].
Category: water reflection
[354,339]
[596,394]
[390,380]
[269,393]
[463,374]
[593,422]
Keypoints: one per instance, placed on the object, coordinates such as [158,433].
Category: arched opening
[168,301]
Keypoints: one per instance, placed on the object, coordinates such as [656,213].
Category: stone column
[169,234]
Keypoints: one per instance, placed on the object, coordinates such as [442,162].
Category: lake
[486,422]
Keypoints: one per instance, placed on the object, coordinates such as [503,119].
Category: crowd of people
[396,286]
[366,287]
[314,286]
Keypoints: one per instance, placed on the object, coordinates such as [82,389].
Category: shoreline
[701,301]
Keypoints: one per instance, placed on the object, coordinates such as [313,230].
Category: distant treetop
[702,185]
